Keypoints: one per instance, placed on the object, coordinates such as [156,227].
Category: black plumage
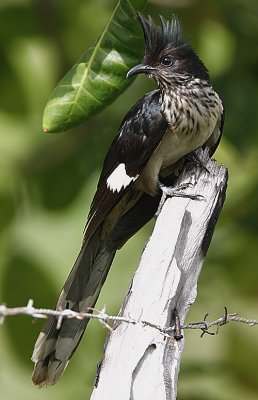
[157,40]
[139,134]
[169,40]
[165,125]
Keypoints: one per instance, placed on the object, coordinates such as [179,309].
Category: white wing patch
[119,179]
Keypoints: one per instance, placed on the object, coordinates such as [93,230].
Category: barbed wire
[105,319]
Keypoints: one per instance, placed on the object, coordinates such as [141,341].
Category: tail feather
[54,347]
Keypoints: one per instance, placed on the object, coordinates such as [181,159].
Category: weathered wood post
[139,361]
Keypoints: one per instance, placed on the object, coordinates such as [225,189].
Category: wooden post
[141,363]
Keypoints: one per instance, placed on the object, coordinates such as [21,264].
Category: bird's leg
[176,191]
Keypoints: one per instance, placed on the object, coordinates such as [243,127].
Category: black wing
[215,138]
[140,133]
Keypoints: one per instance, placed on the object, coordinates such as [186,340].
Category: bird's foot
[195,159]
[176,191]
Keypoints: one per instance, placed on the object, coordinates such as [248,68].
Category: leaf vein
[91,95]
[92,58]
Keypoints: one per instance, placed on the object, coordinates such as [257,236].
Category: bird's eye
[167,61]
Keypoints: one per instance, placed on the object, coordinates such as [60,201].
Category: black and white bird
[165,125]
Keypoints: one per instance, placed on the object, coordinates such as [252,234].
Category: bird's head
[169,58]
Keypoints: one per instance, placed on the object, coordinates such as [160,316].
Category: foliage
[99,75]
[47,182]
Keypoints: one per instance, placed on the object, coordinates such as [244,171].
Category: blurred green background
[47,182]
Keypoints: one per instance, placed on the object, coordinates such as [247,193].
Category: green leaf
[98,77]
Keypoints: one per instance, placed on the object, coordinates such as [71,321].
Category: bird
[182,114]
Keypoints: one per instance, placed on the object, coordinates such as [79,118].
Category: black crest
[168,38]
[158,39]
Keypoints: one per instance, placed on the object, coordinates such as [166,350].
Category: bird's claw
[176,191]
[194,158]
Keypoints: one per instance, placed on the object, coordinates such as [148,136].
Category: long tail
[54,347]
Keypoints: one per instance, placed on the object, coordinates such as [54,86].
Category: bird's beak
[140,69]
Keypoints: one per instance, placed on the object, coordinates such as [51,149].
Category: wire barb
[104,318]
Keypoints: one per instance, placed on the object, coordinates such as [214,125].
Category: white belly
[176,145]
[173,146]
